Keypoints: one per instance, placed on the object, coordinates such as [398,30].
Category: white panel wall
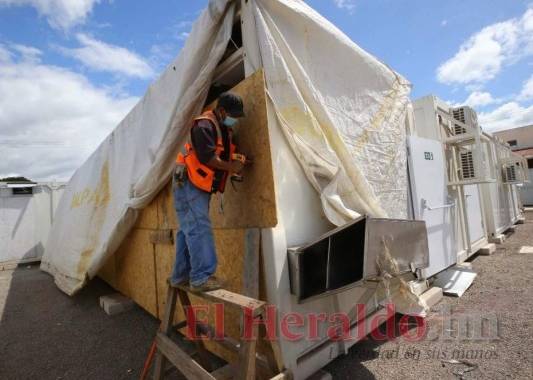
[25,222]
[526,191]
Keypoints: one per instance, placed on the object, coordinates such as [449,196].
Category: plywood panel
[135,265]
[166,212]
[148,216]
[108,272]
[164,255]
[252,203]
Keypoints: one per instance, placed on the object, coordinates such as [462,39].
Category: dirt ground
[47,335]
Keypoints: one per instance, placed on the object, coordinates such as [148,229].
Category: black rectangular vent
[333,262]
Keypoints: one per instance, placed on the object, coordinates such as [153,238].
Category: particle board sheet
[165,208]
[148,218]
[135,269]
[250,203]
[108,272]
[138,274]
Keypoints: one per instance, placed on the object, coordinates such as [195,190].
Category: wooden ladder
[168,350]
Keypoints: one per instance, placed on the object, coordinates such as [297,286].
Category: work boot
[212,283]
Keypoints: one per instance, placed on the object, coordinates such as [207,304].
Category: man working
[204,168]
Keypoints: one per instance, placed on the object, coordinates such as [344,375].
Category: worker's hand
[246,160]
[236,166]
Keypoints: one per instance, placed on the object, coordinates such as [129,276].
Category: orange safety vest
[202,176]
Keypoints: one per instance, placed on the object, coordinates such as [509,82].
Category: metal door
[474,213]
[431,202]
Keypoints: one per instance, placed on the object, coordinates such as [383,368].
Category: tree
[16,179]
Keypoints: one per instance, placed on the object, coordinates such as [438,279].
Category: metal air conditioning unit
[465,142]
[467,116]
[509,174]
[514,170]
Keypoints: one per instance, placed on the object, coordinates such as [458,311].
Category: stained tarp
[341,110]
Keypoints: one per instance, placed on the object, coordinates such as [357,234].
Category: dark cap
[231,103]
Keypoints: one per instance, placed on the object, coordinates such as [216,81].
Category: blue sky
[72,66]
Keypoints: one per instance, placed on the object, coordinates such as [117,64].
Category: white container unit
[501,198]
[26,214]
[445,172]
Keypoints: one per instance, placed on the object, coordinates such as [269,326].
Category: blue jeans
[196,257]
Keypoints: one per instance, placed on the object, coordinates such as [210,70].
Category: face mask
[230,121]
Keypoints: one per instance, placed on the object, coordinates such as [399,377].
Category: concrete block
[465,265]
[526,249]
[488,250]
[498,239]
[320,375]
[432,296]
[521,220]
[116,303]
[8,266]
[418,287]
[511,229]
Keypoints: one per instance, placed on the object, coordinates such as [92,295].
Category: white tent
[341,111]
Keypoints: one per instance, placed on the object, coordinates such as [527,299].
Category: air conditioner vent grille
[458,130]
[467,165]
[459,114]
[510,173]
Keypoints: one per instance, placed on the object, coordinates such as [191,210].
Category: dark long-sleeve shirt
[204,140]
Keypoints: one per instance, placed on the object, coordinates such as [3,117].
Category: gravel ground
[47,335]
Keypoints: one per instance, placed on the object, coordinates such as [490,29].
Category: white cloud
[184,24]
[483,55]
[61,14]
[5,54]
[349,5]
[28,53]
[479,99]
[473,87]
[444,23]
[508,115]
[52,119]
[101,56]
[527,89]
[183,36]
[169,43]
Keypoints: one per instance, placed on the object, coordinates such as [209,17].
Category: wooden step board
[169,351]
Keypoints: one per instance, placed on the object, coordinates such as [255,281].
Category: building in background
[521,142]
[26,215]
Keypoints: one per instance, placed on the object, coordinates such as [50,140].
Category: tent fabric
[341,110]
[100,202]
